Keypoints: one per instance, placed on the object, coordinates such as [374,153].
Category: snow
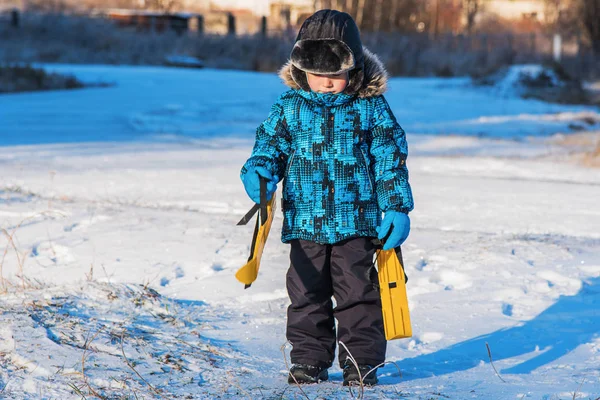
[172,104]
[513,78]
[184,61]
[119,246]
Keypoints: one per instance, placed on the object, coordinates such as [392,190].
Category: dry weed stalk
[5,385]
[52,174]
[86,346]
[362,386]
[19,261]
[11,243]
[492,363]
[233,381]
[361,392]
[578,389]
[287,366]
[133,369]
[90,275]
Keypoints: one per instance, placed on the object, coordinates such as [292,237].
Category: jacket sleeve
[389,151]
[272,144]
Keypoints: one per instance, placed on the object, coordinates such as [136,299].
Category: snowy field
[119,245]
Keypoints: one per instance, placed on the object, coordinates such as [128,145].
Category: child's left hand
[399,223]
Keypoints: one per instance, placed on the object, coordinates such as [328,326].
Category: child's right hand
[251,180]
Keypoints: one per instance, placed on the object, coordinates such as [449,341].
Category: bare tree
[348,7]
[471,8]
[435,17]
[378,15]
[360,12]
[393,14]
[552,9]
[590,18]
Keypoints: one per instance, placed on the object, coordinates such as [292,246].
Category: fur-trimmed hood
[373,81]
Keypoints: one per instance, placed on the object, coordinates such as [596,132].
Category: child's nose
[328,83]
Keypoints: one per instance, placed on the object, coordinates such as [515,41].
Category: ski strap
[262,206]
[379,245]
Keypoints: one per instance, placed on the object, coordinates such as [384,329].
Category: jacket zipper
[287,170]
[367,168]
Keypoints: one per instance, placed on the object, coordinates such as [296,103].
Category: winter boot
[368,374]
[304,373]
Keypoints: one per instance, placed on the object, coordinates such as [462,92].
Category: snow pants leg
[345,271]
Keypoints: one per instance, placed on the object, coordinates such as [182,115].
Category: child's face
[327,83]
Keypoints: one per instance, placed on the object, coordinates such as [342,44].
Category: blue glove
[399,223]
[251,180]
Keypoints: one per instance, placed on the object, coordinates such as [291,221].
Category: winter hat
[328,43]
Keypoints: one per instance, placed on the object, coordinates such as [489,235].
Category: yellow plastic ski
[394,302]
[248,273]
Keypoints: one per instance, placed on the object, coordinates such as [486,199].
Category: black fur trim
[322,56]
[368,81]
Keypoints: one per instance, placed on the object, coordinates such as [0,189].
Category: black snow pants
[345,271]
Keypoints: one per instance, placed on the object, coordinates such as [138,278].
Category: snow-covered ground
[119,245]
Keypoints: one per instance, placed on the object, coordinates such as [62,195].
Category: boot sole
[357,383]
[323,377]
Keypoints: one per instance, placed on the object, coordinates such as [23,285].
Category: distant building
[246,21]
[217,22]
[153,21]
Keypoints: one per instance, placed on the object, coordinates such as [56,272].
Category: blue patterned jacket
[342,159]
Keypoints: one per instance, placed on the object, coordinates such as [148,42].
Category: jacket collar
[326,99]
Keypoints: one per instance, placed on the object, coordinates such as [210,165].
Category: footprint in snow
[507,309]
[217,267]
[452,280]
[177,273]
[49,254]
[422,263]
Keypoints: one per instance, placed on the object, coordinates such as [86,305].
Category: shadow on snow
[568,323]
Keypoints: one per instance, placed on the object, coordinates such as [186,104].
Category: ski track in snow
[121,260]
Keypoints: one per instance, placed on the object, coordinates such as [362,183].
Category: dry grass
[20,255]
[86,347]
[592,159]
[75,39]
[130,365]
[16,78]
[583,147]
[24,78]
[78,39]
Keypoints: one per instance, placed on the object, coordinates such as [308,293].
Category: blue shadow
[568,323]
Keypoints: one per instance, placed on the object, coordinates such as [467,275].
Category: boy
[335,142]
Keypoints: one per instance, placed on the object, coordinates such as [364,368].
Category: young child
[341,154]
